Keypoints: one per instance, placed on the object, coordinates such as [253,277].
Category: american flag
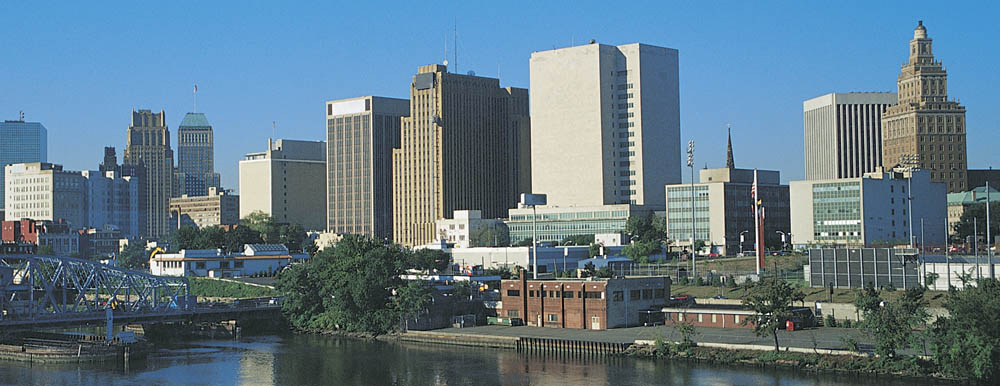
[195,89]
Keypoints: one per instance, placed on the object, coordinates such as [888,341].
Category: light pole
[782,239]
[533,200]
[741,241]
[690,159]
[912,163]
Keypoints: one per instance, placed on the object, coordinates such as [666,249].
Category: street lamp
[533,200]
[911,162]
[782,239]
[741,241]
[690,162]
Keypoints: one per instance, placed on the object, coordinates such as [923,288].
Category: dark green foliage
[683,280]
[351,287]
[428,260]
[492,235]
[263,224]
[502,272]
[523,243]
[240,236]
[134,255]
[966,344]
[699,281]
[891,323]
[578,240]
[639,250]
[462,289]
[649,228]
[45,250]
[770,299]
[830,321]
[964,226]
[730,282]
[595,250]
[256,228]
[716,282]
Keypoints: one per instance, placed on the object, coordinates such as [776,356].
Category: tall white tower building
[605,124]
[843,134]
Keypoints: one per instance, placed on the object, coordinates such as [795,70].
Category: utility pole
[989,235]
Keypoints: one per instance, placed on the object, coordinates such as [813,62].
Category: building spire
[730,164]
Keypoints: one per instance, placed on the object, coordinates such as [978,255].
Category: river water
[324,360]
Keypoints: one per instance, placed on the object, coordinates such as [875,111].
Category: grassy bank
[906,366]
[203,287]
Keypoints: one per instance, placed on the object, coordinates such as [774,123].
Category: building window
[512,313]
[531,293]
[238,264]
[553,317]
[660,293]
[618,296]
[634,294]
[647,294]
[567,294]
[513,293]
[199,265]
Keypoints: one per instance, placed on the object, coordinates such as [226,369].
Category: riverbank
[818,350]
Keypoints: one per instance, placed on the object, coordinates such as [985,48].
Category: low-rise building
[554,223]
[57,234]
[958,202]
[550,259]
[590,304]
[723,205]
[100,241]
[217,208]
[869,211]
[266,259]
[459,229]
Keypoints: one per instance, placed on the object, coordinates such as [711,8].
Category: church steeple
[729,149]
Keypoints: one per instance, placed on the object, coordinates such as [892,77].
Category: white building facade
[869,211]
[462,226]
[605,124]
[256,259]
[287,182]
[843,134]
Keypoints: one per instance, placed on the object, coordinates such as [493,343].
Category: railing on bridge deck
[50,287]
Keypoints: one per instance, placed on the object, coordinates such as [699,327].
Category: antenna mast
[195,98]
[456,45]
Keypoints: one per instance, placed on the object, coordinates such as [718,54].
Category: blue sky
[80,67]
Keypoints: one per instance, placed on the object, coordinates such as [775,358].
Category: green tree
[293,236]
[649,227]
[891,323]
[964,227]
[640,250]
[239,236]
[184,238]
[428,260]
[490,235]
[966,343]
[594,250]
[770,299]
[355,283]
[264,225]
[577,240]
[45,250]
[134,255]
[462,290]
[211,238]
[526,242]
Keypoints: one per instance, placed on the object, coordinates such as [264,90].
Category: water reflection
[323,360]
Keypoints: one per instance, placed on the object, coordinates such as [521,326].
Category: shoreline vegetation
[909,367]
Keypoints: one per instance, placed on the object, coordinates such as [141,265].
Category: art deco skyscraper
[925,123]
[360,135]
[458,150]
[148,147]
[195,157]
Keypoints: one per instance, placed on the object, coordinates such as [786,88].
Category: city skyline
[249,78]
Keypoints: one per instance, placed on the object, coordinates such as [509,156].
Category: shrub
[830,321]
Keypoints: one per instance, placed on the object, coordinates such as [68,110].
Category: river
[326,360]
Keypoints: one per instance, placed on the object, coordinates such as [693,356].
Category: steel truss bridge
[50,291]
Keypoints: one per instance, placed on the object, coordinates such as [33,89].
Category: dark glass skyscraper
[21,141]
[195,157]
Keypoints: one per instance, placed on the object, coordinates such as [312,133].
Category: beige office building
[605,124]
[458,150]
[44,191]
[287,181]
[843,133]
[149,146]
[925,123]
[360,135]
[217,208]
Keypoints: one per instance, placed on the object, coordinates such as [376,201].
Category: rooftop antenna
[274,129]
[456,45]
[195,98]
[445,62]
[20,115]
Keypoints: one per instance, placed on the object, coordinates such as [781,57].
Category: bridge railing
[34,286]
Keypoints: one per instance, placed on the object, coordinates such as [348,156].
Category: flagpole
[195,99]
[756,223]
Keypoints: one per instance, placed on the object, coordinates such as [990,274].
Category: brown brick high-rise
[925,123]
